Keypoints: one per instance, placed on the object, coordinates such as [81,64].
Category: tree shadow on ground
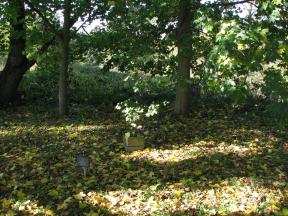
[38,155]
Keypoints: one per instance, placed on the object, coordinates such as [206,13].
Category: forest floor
[212,162]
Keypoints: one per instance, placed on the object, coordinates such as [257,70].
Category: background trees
[72,11]
[212,48]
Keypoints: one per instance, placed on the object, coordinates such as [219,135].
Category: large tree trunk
[17,63]
[63,80]
[184,43]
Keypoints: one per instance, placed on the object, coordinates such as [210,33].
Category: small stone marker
[133,143]
[83,163]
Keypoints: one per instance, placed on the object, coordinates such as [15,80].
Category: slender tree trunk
[17,63]
[63,80]
[184,43]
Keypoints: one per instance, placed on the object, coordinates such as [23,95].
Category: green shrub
[40,84]
[88,84]
[275,89]
[148,88]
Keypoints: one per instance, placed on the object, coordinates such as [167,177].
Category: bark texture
[64,65]
[17,62]
[184,43]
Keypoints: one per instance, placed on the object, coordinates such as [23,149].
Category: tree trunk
[63,79]
[17,63]
[184,43]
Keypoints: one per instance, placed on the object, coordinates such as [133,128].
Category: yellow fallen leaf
[197,172]
[73,135]
[5,203]
[274,207]
[20,195]
[92,213]
[179,193]
[126,199]
[63,206]
[248,213]
[216,186]
[147,150]
[79,196]
[28,184]
[254,208]
[44,180]
[50,213]
[53,193]
[218,194]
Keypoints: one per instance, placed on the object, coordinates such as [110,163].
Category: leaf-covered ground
[211,163]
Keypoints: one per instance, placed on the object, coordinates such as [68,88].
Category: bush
[88,84]
[276,91]
[40,84]
[148,88]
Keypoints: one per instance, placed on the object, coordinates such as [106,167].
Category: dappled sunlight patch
[239,195]
[24,207]
[192,151]
[78,128]
[130,201]
[242,195]
[195,166]
[166,155]
[4,133]
[235,149]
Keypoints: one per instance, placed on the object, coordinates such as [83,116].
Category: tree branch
[43,49]
[45,19]
[81,26]
[46,45]
[85,30]
[227,4]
